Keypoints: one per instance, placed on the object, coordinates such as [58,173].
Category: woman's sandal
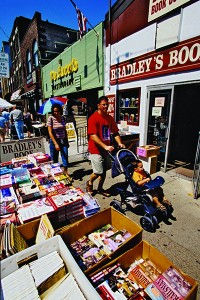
[69,178]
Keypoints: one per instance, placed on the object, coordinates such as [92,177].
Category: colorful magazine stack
[89,250]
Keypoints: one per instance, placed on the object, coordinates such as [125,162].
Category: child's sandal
[166,202]
[161,207]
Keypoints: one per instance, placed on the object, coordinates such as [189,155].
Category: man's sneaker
[89,188]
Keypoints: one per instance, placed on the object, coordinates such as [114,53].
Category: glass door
[159,122]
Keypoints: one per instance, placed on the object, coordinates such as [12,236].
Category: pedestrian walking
[3,128]
[16,118]
[6,115]
[100,127]
[58,137]
[28,118]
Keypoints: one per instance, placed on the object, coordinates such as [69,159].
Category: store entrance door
[159,122]
[174,125]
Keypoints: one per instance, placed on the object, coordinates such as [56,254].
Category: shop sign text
[184,57]
[159,8]
[20,148]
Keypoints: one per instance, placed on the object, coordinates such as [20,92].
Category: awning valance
[15,95]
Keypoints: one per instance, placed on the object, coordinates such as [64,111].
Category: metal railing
[82,140]
[196,175]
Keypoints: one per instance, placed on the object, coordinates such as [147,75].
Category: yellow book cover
[45,230]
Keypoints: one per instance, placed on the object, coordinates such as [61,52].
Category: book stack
[90,205]
[141,280]
[89,250]
[19,285]
[11,240]
[6,181]
[113,283]
[34,209]
[170,285]
[8,201]
[39,158]
[68,202]
[44,278]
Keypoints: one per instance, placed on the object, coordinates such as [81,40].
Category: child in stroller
[141,178]
[136,197]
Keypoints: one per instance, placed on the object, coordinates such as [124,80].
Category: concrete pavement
[180,240]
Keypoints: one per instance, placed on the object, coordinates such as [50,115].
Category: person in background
[28,118]
[100,127]
[58,137]
[141,177]
[6,115]
[16,118]
[3,128]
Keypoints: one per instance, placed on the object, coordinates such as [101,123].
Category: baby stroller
[136,198]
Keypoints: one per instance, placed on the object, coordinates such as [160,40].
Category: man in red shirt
[100,127]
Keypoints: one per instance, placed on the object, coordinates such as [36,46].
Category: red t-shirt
[102,126]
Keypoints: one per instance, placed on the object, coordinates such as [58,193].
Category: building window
[28,62]
[35,54]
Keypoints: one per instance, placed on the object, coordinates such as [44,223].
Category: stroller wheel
[155,221]
[117,206]
[148,224]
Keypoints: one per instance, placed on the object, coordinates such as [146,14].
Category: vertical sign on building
[4,65]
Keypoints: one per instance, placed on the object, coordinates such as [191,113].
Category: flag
[81,20]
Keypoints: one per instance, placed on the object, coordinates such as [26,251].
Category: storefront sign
[159,8]
[19,148]
[184,57]
[63,71]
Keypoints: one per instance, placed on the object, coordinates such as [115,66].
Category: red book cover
[167,289]
[140,276]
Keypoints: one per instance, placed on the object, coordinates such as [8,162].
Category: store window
[35,54]
[28,62]
[128,104]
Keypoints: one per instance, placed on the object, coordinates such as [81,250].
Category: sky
[60,12]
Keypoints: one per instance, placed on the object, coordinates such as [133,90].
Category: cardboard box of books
[148,150]
[49,271]
[143,270]
[95,240]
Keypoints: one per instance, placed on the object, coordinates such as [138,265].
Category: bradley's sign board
[19,148]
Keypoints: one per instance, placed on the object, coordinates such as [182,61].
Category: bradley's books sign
[19,148]
[185,56]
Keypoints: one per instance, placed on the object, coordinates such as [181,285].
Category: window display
[129,106]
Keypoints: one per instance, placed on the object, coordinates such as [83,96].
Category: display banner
[159,8]
[19,148]
[111,105]
[184,57]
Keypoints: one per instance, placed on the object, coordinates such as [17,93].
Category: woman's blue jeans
[54,153]
[19,126]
